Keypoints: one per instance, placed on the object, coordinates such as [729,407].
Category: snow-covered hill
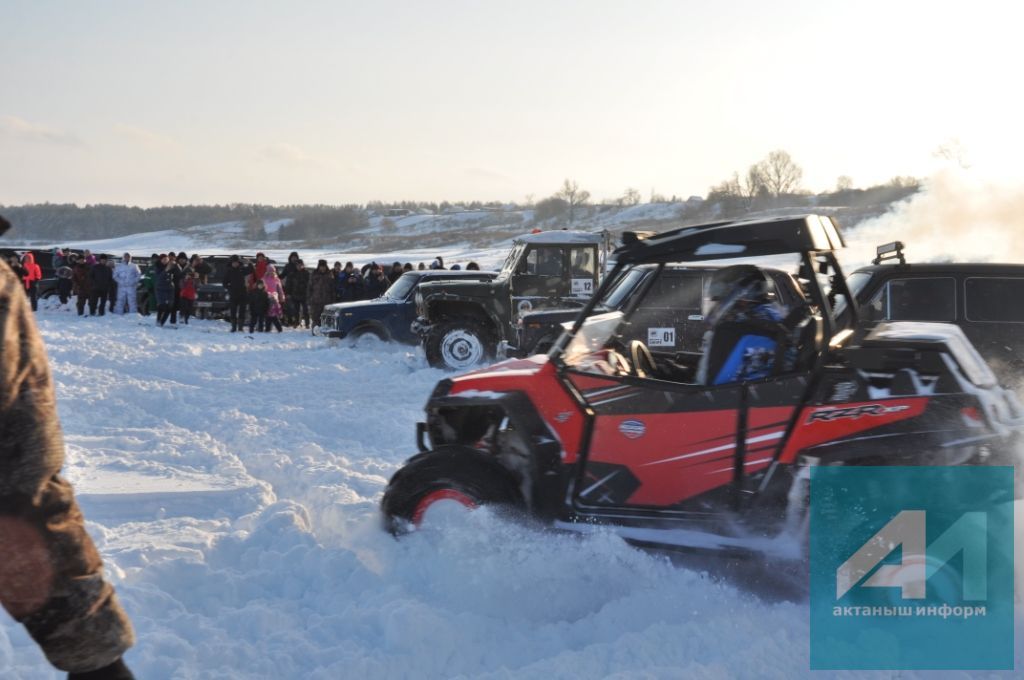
[454,231]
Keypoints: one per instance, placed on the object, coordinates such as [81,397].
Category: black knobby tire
[463,472]
[459,344]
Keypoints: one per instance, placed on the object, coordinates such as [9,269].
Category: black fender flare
[547,478]
[435,311]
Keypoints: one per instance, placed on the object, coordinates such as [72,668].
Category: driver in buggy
[749,333]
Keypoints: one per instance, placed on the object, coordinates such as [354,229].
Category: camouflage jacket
[51,575]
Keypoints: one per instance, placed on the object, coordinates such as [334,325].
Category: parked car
[389,317]
[462,323]
[606,430]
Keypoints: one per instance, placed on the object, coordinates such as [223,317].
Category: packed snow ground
[232,487]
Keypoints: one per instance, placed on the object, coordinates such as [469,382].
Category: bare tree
[953,151]
[730,195]
[753,185]
[778,173]
[904,182]
[574,196]
[630,197]
[551,207]
[844,183]
[255,229]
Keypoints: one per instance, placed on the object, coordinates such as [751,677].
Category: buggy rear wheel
[452,476]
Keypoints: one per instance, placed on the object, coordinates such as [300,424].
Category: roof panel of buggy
[730,240]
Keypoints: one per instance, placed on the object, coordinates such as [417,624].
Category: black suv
[985,300]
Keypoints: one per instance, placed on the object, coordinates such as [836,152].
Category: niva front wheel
[449,476]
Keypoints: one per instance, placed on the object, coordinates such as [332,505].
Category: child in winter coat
[275,295]
[31,277]
[259,304]
[274,312]
[188,295]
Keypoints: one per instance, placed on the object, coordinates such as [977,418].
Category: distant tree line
[772,182]
[329,223]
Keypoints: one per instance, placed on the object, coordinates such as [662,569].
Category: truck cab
[463,323]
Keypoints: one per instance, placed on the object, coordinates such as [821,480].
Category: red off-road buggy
[608,430]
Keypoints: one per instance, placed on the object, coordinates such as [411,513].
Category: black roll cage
[812,263]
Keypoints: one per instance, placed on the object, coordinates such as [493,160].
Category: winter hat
[234,258]
[182,255]
[321,263]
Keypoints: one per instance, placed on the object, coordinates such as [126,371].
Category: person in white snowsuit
[127,276]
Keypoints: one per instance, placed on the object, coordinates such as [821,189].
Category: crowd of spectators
[261,297]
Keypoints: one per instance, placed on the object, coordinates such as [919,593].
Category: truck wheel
[449,475]
[458,345]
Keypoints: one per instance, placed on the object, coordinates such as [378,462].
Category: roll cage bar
[814,237]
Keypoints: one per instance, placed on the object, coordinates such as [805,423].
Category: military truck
[463,323]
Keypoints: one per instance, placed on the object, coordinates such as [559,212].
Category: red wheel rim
[440,495]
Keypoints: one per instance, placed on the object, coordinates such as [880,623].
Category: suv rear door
[993,317]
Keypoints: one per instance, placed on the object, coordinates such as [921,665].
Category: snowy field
[232,487]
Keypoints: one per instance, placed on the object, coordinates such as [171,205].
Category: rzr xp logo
[919,562]
[827,415]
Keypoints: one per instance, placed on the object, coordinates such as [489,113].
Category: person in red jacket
[32,274]
[259,270]
[188,294]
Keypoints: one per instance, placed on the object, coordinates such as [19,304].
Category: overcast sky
[156,103]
